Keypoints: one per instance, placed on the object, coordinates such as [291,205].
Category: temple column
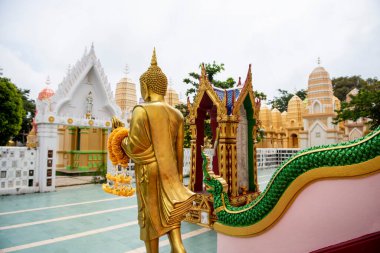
[214,126]
[227,153]
[61,146]
[104,144]
[84,146]
[110,166]
[47,156]
[193,161]
[73,131]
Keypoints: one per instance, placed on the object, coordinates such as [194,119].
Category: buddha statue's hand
[116,123]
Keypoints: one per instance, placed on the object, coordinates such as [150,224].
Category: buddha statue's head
[153,82]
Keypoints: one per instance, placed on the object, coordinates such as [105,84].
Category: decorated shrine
[232,114]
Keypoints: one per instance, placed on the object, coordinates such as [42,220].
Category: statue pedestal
[325,213]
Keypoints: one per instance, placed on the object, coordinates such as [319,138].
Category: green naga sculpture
[348,159]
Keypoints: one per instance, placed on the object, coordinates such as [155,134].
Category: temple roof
[232,96]
[227,101]
[72,99]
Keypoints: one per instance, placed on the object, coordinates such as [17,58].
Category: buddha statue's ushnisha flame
[154,78]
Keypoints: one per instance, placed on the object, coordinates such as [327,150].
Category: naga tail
[354,158]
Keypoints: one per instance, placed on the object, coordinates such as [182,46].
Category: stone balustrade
[18,170]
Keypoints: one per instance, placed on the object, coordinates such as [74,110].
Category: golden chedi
[295,108]
[265,118]
[172,97]
[125,95]
[276,119]
[318,127]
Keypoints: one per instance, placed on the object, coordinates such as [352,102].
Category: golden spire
[203,73]
[239,83]
[153,62]
[47,81]
[249,74]
[126,69]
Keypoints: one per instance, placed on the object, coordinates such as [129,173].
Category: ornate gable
[247,90]
[86,72]
[84,94]
[205,87]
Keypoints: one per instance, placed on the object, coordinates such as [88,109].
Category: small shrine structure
[232,114]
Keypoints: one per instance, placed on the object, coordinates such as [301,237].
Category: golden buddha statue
[155,144]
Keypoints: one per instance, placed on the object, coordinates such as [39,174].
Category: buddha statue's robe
[155,135]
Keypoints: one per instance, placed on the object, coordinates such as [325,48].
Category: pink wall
[325,213]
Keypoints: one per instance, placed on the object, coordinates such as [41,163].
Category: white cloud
[282,39]
[20,72]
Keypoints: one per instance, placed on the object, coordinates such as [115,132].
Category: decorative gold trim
[221,208]
[356,170]
[205,87]
[70,120]
[108,124]
[51,119]
[247,90]
[91,122]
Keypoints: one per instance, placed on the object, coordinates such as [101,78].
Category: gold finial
[203,72]
[126,69]
[48,81]
[154,59]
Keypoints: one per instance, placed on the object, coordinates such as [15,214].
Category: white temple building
[73,123]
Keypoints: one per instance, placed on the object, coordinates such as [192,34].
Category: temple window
[316,107]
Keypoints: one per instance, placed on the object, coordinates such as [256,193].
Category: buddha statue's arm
[179,150]
[138,140]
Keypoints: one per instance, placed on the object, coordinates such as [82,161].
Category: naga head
[214,184]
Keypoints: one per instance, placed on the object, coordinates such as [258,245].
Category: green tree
[260,95]
[11,110]
[185,111]
[365,104]
[30,109]
[281,102]
[211,70]
[343,85]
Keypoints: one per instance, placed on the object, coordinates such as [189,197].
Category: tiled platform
[85,219]
[63,181]
[82,219]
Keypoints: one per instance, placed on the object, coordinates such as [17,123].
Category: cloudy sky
[281,39]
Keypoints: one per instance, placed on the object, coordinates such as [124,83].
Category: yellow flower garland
[117,150]
[121,183]
[109,146]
